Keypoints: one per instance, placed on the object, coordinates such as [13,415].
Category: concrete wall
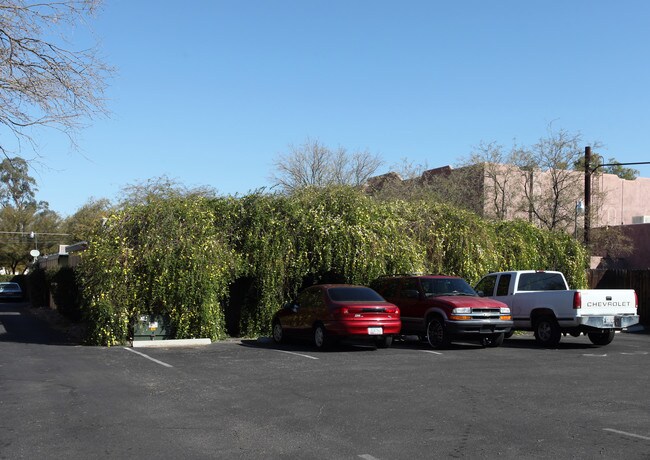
[623,199]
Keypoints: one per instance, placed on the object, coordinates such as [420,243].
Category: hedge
[185,256]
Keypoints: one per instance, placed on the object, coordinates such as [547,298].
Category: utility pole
[587,194]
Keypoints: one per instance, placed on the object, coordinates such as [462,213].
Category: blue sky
[210,92]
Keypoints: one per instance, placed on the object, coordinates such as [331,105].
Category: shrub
[195,259]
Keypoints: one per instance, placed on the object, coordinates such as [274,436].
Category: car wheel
[278,332]
[547,331]
[493,341]
[384,342]
[509,334]
[320,337]
[601,338]
[436,334]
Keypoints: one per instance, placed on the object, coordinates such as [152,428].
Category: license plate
[375,331]
[608,320]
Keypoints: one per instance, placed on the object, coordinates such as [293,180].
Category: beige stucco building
[549,199]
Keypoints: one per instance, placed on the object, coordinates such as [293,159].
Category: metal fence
[639,280]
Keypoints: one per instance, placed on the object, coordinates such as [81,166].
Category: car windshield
[9,287]
[354,294]
[446,286]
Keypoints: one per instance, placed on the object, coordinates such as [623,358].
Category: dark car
[440,309]
[10,291]
[328,312]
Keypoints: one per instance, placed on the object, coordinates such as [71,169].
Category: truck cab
[440,309]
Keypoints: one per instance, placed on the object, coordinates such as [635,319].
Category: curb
[169,343]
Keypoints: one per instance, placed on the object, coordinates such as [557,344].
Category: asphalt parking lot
[253,399]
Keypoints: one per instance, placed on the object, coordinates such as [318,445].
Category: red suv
[443,308]
[328,312]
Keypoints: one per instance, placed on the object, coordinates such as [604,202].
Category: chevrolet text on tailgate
[441,309]
[541,301]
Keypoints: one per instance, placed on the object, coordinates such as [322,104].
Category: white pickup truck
[541,301]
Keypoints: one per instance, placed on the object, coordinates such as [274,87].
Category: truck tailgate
[607,302]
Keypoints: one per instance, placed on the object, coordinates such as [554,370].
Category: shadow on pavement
[304,346]
[18,325]
[566,343]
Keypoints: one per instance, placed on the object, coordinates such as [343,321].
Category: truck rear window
[541,281]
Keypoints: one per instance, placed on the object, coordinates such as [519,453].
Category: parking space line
[297,354]
[148,357]
[632,435]
[431,351]
[367,457]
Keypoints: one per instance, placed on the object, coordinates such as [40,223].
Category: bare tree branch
[314,164]
[42,83]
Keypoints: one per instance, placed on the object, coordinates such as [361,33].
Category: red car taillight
[393,311]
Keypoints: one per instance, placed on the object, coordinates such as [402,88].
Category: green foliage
[179,255]
[164,257]
[86,220]
[21,214]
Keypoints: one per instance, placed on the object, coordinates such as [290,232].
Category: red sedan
[328,312]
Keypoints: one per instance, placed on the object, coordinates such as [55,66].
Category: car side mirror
[480,293]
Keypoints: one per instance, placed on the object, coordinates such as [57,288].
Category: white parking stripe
[297,354]
[632,435]
[148,357]
[367,457]
[431,351]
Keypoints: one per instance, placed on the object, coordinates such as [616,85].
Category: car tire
[321,340]
[278,332]
[509,334]
[601,338]
[493,341]
[384,342]
[547,331]
[436,334]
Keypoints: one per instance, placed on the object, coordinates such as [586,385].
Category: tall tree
[22,218]
[87,219]
[315,164]
[551,195]
[43,83]
[17,187]
[502,182]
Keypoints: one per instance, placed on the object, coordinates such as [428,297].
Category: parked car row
[439,309]
[436,308]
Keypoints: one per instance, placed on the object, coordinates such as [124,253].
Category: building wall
[615,201]
[623,200]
